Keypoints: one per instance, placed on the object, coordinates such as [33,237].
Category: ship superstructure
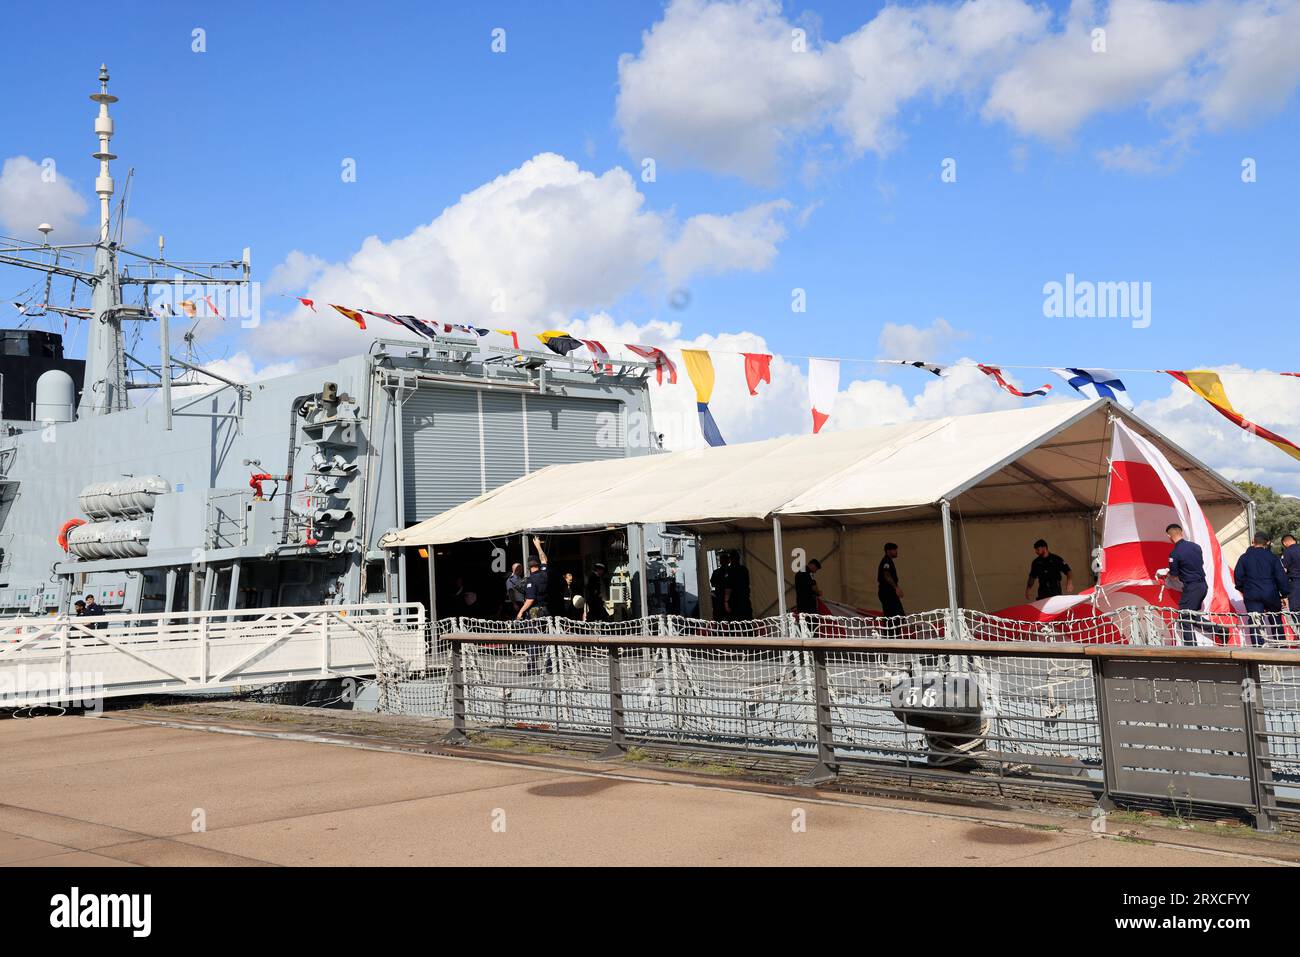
[221,494]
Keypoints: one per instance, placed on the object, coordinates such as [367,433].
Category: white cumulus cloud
[934,50]
[724,86]
[526,251]
[31,194]
[241,367]
[729,86]
[298,271]
[711,244]
[905,341]
[1151,46]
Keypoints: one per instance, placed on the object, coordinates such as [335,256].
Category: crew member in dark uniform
[888,589]
[593,595]
[569,590]
[1291,565]
[1262,583]
[536,592]
[720,586]
[806,591]
[94,610]
[1047,570]
[515,590]
[739,600]
[1187,564]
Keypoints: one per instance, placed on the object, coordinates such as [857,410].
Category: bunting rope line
[824,371]
[937,369]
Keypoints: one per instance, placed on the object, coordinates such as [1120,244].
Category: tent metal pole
[399,490]
[953,609]
[1092,545]
[959,548]
[1250,521]
[433,592]
[844,564]
[644,585]
[703,588]
[778,552]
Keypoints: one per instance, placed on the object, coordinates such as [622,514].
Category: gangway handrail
[71,659]
[112,616]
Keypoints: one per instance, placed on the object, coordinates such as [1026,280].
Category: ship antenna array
[115,268]
[121,205]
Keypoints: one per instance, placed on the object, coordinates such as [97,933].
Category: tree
[1275,515]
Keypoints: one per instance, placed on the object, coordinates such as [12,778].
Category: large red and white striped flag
[1146,495]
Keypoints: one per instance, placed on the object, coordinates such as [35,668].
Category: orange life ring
[68,526]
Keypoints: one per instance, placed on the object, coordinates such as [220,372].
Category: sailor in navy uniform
[1262,583]
[890,592]
[537,587]
[1187,564]
[1291,565]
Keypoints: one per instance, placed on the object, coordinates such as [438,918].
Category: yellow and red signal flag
[1210,388]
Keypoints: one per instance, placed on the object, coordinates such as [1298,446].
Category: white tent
[1043,467]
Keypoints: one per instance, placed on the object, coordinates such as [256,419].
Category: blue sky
[242,145]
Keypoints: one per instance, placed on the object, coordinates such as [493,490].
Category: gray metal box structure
[1178,730]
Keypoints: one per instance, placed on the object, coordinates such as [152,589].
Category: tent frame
[1011,462]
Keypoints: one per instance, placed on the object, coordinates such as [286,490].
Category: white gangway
[78,661]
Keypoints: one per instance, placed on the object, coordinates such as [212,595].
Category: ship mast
[105,381]
[106,385]
[104,130]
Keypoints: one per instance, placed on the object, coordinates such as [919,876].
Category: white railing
[1130,625]
[74,660]
[751,683]
[69,660]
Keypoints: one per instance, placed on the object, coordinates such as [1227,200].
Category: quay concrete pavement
[115,790]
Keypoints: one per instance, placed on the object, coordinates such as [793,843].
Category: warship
[208,493]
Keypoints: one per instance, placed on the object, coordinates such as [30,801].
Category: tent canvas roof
[1045,457]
